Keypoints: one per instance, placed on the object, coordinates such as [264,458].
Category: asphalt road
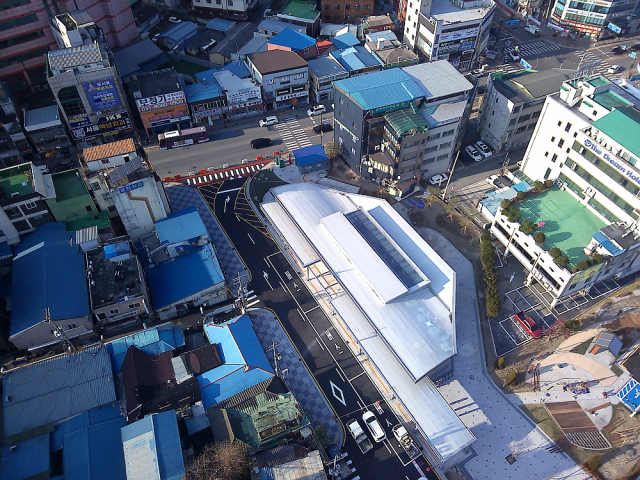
[339,374]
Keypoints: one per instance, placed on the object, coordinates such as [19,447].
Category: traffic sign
[525,64]
[509,23]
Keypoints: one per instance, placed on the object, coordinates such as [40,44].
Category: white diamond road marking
[338,393]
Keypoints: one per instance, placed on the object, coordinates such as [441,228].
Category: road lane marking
[311,310]
[340,375]
[250,238]
[360,374]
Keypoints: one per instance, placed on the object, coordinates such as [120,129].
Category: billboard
[106,124]
[161,101]
[102,94]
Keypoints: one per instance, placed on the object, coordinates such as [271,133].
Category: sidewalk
[298,377]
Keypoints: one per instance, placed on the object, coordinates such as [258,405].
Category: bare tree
[220,461]
[434,195]
[332,149]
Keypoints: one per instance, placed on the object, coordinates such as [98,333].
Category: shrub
[594,462]
[487,258]
[582,265]
[561,261]
[573,324]
[494,306]
[499,363]
[521,195]
[505,203]
[548,184]
[539,238]
[555,252]
[512,213]
[598,259]
[528,226]
[538,185]
[511,379]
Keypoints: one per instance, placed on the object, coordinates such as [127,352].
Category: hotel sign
[631,174]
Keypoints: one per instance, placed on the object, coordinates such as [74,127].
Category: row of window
[5,62]
[347,7]
[18,22]
[217,2]
[27,37]
[584,19]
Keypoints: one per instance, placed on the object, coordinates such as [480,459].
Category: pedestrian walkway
[292,133]
[182,196]
[296,375]
[593,63]
[508,68]
[536,48]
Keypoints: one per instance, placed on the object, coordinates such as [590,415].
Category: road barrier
[212,175]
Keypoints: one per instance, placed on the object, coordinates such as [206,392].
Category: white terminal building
[392,293]
[587,142]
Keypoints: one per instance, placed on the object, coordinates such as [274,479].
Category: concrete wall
[40,334]
[211,296]
[140,208]
[349,122]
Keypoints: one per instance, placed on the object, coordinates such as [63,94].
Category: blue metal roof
[26,460]
[5,250]
[244,362]
[48,272]
[95,452]
[184,276]
[180,226]
[160,339]
[199,91]
[220,24]
[81,422]
[381,89]
[602,239]
[239,69]
[345,40]
[310,155]
[116,249]
[56,389]
[152,445]
[356,58]
[292,39]
[180,31]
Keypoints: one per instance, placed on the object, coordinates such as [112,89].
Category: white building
[244,96]
[450,30]
[392,293]
[587,142]
[232,9]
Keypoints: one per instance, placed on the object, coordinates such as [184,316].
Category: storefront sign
[585,274]
[207,113]
[78,120]
[169,113]
[103,126]
[169,120]
[614,28]
[290,96]
[131,186]
[622,168]
[458,34]
[161,101]
[102,94]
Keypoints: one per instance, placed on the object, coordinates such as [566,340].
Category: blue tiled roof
[220,24]
[293,40]
[5,250]
[184,276]
[380,89]
[27,460]
[116,249]
[160,455]
[345,40]
[180,31]
[180,226]
[83,421]
[310,155]
[244,362]
[48,272]
[239,69]
[160,339]
[356,58]
[199,91]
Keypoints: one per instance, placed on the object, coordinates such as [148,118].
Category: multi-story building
[244,97]
[14,147]
[449,29]
[401,122]
[301,13]
[346,11]
[45,130]
[293,41]
[592,17]
[512,105]
[83,78]
[323,71]
[27,36]
[207,101]
[391,53]
[161,101]
[284,77]
[586,142]
[233,9]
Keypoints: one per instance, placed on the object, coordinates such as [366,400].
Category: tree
[505,203]
[561,261]
[521,195]
[221,461]
[332,149]
[528,226]
[538,185]
[434,195]
[548,184]
[512,213]
[539,238]
[555,252]
[451,205]
[582,265]
[598,259]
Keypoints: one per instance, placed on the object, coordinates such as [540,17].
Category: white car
[440,179]
[372,423]
[317,110]
[174,20]
[484,150]
[473,153]
[265,122]
[512,54]
[614,69]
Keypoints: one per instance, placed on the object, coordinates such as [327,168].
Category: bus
[180,138]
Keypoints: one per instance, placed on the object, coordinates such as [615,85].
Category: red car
[528,324]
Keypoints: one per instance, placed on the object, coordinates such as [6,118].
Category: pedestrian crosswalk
[536,48]
[592,64]
[508,68]
[292,134]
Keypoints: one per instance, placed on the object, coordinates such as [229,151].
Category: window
[357,6]
[353,125]
[347,7]
[230,3]
[340,140]
[133,306]
[306,50]
[353,151]
[547,173]
[71,102]
[104,161]
[337,7]
[327,18]
[445,145]
[341,101]
[554,158]
[115,311]
[512,122]
[568,127]
[327,7]
[553,139]
[429,160]
[431,149]
[442,157]
[433,137]
[561,143]
[106,196]
[340,114]
[88,208]
[448,132]
[367,7]
[559,123]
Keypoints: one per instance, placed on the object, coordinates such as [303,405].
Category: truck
[406,441]
[359,436]
[533,30]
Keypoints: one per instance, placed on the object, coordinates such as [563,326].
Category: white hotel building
[587,141]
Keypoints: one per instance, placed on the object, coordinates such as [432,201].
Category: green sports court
[568,226]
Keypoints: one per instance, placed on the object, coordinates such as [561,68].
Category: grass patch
[187,68]
[582,348]
[616,369]
[262,182]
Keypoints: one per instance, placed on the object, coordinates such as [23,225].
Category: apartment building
[232,9]
[593,17]
[345,11]
[449,29]
[284,77]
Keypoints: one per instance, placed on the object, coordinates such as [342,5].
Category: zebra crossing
[508,68]
[536,48]
[292,134]
[593,63]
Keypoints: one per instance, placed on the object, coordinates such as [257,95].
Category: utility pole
[58,332]
[453,167]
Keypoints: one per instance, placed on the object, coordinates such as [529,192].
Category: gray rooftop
[278,26]
[438,79]
[448,12]
[75,56]
[55,389]
[158,82]
[540,84]
[324,66]
[396,55]
[128,59]
[42,117]
[113,281]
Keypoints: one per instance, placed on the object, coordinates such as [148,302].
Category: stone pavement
[500,427]
[298,377]
[182,196]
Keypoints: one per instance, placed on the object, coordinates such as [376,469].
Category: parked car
[317,110]
[260,142]
[614,69]
[174,20]
[512,54]
[635,48]
[484,150]
[528,324]
[618,50]
[473,153]
[324,127]
[494,181]
[439,179]
[265,122]
[372,423]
